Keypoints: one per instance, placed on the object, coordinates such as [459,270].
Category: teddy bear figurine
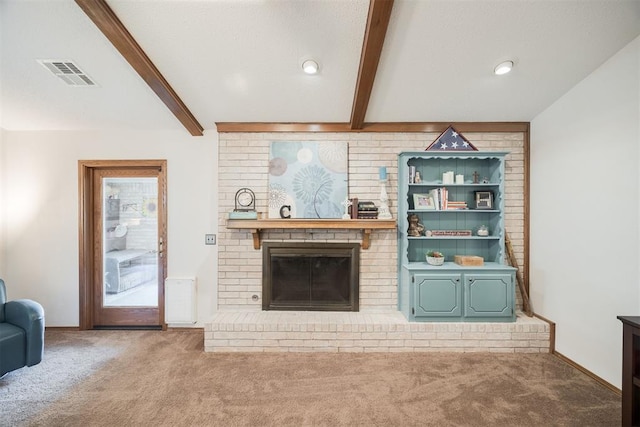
[415,228]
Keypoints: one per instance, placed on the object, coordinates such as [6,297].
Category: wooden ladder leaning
[526,305]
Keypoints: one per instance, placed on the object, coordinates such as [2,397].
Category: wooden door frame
[86,169]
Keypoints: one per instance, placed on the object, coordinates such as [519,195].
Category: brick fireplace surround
[241,325]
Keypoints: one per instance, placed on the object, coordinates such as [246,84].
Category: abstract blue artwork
[310,177]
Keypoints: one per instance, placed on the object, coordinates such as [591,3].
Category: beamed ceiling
[411,65]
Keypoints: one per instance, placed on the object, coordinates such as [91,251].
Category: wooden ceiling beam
[105,19]
[390,127]
[375,33]
[252,127]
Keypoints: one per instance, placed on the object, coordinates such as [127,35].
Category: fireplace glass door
[301,276]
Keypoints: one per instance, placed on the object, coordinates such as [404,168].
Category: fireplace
[310,276]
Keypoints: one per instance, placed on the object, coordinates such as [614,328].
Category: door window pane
[130,242]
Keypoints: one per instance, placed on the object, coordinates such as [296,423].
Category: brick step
[283,331]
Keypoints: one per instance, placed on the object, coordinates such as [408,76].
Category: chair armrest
[28,315]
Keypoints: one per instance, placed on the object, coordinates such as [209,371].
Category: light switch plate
[209,239]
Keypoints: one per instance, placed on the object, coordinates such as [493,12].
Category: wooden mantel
[366,225]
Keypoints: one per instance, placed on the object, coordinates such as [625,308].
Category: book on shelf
[368,216]
[453,205]
[412,174]
[436,197]
[440,198]
[353,209]
[367,206]
[445,198]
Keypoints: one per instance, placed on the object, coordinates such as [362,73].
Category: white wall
[584,213]
[40,206]
[2,204]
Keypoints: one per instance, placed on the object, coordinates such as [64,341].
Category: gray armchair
[21,332]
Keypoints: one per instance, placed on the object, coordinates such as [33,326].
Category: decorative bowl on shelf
[435,258]
[435,261]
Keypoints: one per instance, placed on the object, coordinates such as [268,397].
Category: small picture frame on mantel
[484,200]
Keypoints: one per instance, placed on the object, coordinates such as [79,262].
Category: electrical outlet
[209,239]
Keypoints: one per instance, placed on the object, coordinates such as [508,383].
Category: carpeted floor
[151,378]
[69,359]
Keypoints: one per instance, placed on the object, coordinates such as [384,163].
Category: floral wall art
[310,177]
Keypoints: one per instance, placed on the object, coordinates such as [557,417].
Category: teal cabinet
[489,295]
[437,295]
[467,294]
[475,198]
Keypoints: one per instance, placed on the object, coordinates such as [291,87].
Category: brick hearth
[281,331]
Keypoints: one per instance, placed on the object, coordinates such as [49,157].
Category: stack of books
[451,204]
[441,202]
[367,210]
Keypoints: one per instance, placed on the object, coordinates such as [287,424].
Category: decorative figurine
[476,175]
[418,178]
[415,228]
[347,205]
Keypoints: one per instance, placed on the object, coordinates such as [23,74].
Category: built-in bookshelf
[453,203]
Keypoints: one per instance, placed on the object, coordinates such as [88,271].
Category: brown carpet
[166,379]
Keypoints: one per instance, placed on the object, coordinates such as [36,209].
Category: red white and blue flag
[450,140]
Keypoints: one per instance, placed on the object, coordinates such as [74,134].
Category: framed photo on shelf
[484,200]
[423,202]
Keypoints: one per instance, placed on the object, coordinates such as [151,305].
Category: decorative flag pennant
[450,140]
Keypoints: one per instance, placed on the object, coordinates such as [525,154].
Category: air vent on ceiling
[67,71]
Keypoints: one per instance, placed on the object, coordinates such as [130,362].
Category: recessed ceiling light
[503,68]
[310,66]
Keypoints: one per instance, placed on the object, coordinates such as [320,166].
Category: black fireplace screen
[310,276]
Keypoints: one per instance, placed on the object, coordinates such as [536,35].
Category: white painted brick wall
[243,162]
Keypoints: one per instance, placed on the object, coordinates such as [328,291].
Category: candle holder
[383,210]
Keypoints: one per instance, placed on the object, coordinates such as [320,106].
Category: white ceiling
[240,60]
